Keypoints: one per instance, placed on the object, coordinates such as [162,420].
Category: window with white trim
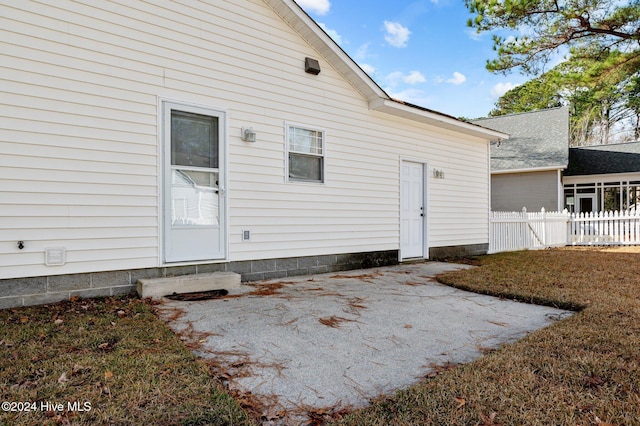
[305,152]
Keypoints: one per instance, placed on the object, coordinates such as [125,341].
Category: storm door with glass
[194,198]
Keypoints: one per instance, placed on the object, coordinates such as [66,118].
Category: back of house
[151,139]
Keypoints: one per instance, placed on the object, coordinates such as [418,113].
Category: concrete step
[158,287]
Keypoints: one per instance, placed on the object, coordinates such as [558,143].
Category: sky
[419,51]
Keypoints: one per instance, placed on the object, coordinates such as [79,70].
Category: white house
[147,139]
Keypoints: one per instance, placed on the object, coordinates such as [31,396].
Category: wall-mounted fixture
[438,174]
[20,245]
[246,235]
[55,256]
[248,134]
[311,66]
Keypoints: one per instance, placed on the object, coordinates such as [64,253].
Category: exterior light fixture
[248,135]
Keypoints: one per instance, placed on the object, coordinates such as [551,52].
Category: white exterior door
[412,210]
[193,181]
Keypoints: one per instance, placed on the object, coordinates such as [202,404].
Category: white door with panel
[412,211]
[194,188]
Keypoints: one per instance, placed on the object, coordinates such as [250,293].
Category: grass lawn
[118,356]
[584,370]
[112,353]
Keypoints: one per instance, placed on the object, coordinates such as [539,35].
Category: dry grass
[113,353]
[584,370]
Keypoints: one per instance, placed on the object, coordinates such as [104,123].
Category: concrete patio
[330,342]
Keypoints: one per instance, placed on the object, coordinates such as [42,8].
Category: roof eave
[434,118]
[530,169]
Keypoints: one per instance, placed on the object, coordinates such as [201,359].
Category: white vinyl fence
[604,228]
[510,231]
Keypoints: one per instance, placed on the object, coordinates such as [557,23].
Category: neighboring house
[147,139]
[603,178]
[526,169]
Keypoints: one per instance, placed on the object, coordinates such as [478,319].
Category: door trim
[425,202]
[594,202]
[162,103]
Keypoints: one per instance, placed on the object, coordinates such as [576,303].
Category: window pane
[194,140]
[303,167]
[611,199]
[194,198]
[634,198]
[569,200]
[305,141]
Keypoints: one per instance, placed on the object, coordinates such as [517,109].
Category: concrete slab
[339,339]
[159,287]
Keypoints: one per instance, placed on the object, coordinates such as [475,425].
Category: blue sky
[420,51]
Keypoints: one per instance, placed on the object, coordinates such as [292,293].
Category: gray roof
[604,159]
[538,139]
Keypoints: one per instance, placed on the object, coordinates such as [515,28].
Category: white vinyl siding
[79,89]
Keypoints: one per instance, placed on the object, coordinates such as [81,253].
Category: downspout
[560,191]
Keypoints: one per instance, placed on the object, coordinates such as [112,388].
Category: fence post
[544,227]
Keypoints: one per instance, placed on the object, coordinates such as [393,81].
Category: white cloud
[501,88]
[414,77]
[363,51]
[394,78]
[332,33]
[457,79]
[413,96]
[473,34]
[368,69]
[397,34]
[510,40]
[321,7]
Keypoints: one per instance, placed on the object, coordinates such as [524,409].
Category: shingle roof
[538,139]
[604,159]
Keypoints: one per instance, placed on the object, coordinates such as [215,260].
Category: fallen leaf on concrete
[333,321]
